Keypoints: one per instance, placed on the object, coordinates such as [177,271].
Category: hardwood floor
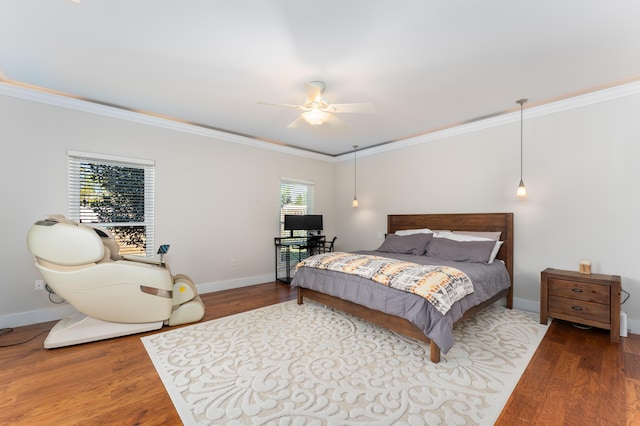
[575,378]
[578,377]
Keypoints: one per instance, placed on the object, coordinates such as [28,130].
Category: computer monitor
[313,222]
[293,222]
[306,222]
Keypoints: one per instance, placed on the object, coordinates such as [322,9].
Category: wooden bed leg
[299,295]
[434,352]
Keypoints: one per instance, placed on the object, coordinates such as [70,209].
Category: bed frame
[502,222]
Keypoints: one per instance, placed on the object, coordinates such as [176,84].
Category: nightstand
[589,299]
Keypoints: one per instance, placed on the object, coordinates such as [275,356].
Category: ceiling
[427,65]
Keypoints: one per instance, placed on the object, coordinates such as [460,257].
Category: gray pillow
[415,244]
[460,251]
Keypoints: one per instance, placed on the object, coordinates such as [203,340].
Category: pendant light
[522,191]
[355,176]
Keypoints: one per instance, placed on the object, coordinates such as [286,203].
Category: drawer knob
[576,290]
[576,308]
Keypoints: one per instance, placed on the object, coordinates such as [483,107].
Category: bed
[409,314]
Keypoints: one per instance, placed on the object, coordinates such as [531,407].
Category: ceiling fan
[318,110]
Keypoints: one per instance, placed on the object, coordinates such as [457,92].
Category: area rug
[290,364]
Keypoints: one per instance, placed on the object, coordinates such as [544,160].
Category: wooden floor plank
[632,388]
[114,381]
[523,406]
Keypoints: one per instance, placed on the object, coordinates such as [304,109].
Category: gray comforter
[488,280]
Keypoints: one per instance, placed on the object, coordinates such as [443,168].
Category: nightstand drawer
[566,307]
[580,291]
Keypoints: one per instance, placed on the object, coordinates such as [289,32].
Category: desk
[291,250]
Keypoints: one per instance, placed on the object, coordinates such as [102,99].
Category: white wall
[581,171]
[215,200]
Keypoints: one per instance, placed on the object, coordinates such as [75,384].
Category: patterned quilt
[442,286]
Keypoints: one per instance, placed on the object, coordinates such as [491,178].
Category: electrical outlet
[39,285]
[234,263]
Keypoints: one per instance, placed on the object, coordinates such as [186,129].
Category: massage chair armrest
[143,259]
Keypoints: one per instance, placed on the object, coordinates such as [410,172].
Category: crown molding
[63,101]
[554,107]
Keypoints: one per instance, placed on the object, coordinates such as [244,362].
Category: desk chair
[314,245]
[327,246]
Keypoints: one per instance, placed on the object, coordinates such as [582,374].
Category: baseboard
[57,312]
[526,305]
[60,311]
[633,326]
[235,283]
[35,317]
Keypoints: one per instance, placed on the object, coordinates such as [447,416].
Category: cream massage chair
[115,295]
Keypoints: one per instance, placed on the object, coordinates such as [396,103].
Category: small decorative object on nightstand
[592,299]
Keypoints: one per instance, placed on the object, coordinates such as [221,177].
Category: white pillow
[456,236]
[460,236]
[493,235]
[414,231]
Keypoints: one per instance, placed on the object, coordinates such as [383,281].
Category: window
[115,193]
[296,197]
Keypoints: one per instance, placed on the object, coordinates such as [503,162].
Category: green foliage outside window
[115,194]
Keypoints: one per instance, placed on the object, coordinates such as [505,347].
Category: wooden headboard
[502,222]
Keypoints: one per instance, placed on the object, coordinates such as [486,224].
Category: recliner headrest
[64,242]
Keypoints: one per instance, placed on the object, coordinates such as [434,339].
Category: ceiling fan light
[316,117]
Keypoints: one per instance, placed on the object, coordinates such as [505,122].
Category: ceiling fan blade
[357,107]
[314,91]
[295,123]
[281,105]
[336,122]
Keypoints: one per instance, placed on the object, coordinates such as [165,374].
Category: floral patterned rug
[290,364]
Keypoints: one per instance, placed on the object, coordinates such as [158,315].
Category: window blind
[296,197]
[116,193]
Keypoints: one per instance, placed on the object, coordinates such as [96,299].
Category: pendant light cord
[355,170]
[521,102]
[521,137]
